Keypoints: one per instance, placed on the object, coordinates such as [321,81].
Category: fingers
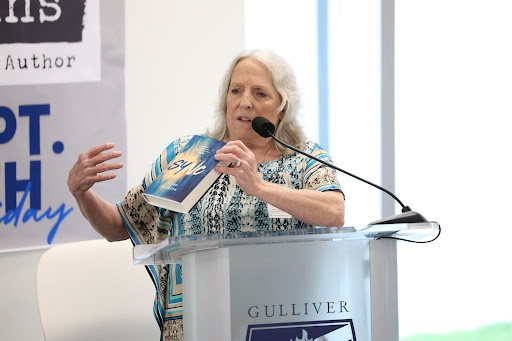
[81,184]
[99,154]
[106,156]
[243,165]
[99,148]
[234,151]
[92,167]
[94,161]
[228,157]
[102,168]
[102,177]
[242,162]
[235,147]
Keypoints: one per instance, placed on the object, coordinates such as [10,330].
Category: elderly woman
[271,188]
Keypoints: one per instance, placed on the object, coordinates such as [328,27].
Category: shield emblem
[334,330]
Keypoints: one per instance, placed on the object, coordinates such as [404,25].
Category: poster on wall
[61,93]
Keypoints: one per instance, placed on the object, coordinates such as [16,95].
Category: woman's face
[250,94]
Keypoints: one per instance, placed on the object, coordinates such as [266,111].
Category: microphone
[266,129]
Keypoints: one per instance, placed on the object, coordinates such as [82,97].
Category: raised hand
[91,167]
[243,166]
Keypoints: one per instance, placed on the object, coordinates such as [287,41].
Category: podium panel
[330,284]
[278,291]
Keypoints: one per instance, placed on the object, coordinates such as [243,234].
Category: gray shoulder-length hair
[288,130]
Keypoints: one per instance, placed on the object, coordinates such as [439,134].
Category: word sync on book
[187,177]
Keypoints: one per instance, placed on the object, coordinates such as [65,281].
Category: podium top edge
[381,228]
[411,231]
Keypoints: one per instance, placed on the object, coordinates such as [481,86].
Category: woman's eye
[235,91]
[262,94]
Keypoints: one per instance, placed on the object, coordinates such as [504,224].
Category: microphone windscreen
[263,126]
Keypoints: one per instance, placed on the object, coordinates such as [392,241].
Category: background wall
[176,52]
[453,121]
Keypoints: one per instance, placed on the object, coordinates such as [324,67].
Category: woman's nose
[246,101]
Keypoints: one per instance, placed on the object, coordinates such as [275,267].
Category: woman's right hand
[91,166]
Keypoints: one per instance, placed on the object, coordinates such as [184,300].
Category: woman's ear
[279,118]
[281,114]
[285,107]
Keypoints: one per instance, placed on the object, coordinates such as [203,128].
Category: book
[187,177]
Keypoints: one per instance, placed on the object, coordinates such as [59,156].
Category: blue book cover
[187,177]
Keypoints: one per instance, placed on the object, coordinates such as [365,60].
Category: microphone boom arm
[266,129]
[404,208]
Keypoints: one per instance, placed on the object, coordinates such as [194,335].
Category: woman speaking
[267,187]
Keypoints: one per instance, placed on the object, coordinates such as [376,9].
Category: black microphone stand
[407,216]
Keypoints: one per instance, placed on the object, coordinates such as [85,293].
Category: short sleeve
[139,217]
[318,176]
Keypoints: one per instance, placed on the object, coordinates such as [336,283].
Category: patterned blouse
[224,208]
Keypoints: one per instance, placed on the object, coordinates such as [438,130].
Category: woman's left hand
[243,165]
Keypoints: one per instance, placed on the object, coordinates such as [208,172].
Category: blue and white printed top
[224,208]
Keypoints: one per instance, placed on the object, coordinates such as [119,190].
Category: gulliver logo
[339,330]
[49,41]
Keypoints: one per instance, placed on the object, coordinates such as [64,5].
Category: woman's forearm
[312,207]
[102,215]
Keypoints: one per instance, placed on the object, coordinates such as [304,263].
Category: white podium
[332,284]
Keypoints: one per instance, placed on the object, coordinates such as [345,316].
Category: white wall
[176,57]
[453,116]
[176,52]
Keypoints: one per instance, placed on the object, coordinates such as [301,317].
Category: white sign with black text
[47,42]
